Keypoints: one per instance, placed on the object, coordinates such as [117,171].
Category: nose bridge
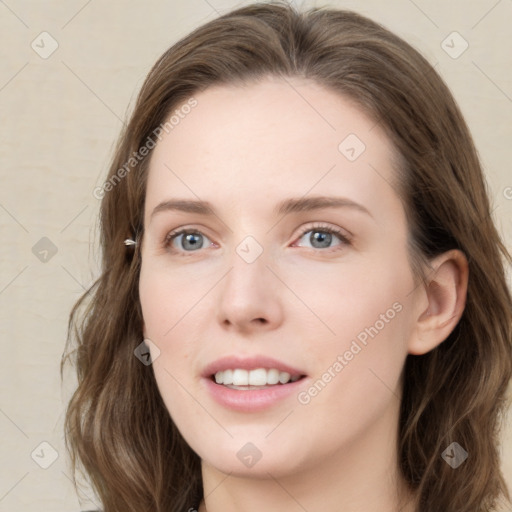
[250,250]
[248,273]
[247,297]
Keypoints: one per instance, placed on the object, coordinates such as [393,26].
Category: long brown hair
[117,426]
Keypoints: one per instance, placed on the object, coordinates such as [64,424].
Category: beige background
[60,118]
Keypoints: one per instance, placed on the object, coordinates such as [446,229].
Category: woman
[296,224]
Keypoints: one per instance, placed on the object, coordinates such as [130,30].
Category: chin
[254,460]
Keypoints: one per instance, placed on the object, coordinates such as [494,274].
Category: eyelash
[169,238]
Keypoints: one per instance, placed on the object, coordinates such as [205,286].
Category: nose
[250,297]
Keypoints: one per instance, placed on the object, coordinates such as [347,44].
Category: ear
[445,297]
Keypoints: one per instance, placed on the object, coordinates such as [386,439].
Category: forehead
[270,139]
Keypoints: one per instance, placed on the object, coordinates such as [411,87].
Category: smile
[260,378]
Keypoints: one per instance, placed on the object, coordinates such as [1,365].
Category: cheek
[168,310]
[174,308]
[167,299]
[366,317]
[362,298]
[357,372]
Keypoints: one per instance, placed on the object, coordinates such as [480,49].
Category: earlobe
[445,290]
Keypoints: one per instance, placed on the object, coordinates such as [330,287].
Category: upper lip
[249,363]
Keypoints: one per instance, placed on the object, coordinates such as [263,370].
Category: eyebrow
[292,205]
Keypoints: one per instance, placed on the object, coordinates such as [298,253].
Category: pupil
[323,238]
[189,239]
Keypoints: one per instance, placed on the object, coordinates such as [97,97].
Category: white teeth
[284,377]
[272,376]
[257,377]
[240,377]
[228,377]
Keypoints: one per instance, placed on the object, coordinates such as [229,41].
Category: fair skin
[244,150]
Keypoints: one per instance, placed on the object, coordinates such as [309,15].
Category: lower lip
[251,400]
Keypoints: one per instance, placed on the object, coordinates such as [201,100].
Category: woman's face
[298,265]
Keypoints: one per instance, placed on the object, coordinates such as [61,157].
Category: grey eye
[190,241]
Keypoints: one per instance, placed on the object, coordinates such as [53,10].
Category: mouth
[256,379]
[250,384]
